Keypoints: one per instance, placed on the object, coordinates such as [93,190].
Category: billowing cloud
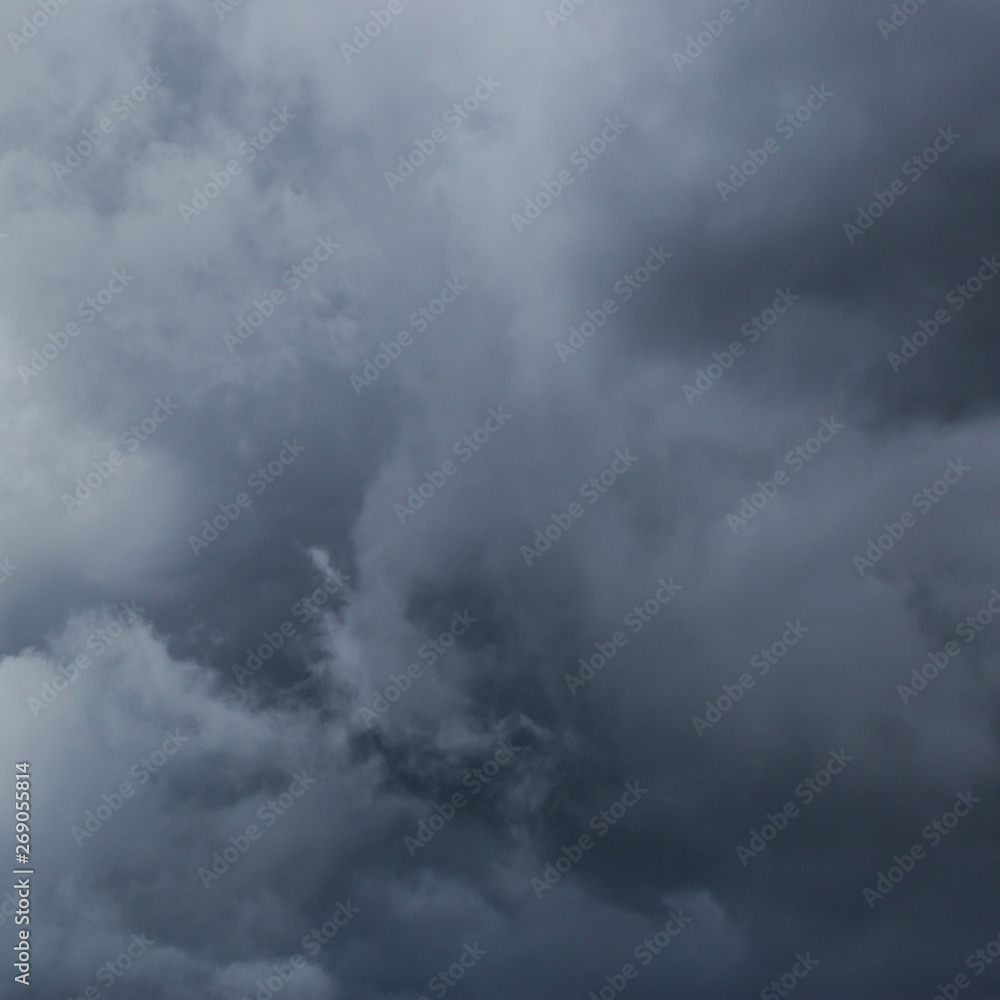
[500,501]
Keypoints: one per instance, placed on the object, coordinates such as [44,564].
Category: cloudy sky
[498,500]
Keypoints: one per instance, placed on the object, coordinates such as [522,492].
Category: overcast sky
[513,485]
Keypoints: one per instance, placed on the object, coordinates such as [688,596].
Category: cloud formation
[316,320]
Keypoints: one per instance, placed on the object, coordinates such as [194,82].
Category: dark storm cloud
[523,345]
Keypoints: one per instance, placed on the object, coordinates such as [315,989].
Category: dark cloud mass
[500,500]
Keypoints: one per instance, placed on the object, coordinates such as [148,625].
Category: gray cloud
[338,729]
